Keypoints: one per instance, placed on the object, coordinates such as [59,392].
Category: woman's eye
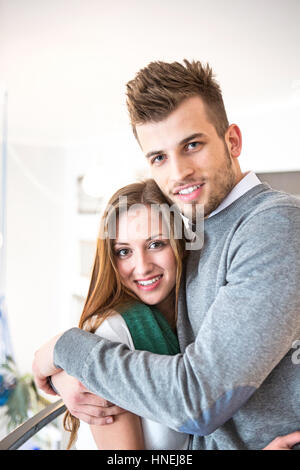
[123,252]
[156,244]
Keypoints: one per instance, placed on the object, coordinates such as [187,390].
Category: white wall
[65,62]
[36,247]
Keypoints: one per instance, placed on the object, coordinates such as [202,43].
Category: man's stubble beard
[224,181]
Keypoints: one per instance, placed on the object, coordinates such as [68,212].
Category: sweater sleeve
[247,331]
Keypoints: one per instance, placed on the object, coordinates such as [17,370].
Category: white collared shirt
[248,182]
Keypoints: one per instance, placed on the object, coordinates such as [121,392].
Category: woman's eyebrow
[150,238]
[154,236]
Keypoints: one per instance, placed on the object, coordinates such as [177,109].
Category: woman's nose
[143,265]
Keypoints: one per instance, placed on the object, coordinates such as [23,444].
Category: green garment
[150,331]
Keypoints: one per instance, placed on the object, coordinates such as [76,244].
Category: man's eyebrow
[197,135]
[153,152]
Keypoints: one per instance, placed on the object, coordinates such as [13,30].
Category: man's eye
[193,145]
[157,159]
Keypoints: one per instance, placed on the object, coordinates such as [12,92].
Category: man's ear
[233,138]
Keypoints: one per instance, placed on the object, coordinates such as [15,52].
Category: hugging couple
[183,344]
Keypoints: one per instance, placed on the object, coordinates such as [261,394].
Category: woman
[132,299]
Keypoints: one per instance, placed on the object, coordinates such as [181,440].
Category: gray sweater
[235,385]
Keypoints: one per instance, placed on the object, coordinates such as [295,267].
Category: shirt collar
[247,182]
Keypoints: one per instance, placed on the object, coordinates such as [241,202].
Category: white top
[156,436]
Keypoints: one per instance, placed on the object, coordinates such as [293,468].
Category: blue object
[7,382]
[4,391]
[6,385]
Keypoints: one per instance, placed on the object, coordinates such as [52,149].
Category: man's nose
[180,168]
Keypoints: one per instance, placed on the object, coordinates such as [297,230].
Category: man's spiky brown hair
[160,88]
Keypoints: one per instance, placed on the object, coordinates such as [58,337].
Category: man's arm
[284,442]
[218,373]
[125,431]
[82,404]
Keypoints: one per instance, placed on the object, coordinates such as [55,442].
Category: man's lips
[186,186]
[189,193]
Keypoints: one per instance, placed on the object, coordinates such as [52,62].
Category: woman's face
[144,257]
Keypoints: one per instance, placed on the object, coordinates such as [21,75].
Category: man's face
[189,161]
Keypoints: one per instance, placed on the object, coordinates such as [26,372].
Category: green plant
[23,398]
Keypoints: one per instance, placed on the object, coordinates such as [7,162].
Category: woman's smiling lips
[150,283]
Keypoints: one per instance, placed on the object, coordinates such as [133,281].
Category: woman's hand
[284,442]
[43,366]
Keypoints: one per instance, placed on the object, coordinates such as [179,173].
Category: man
[235,386]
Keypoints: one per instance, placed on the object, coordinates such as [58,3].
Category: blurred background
[66,134]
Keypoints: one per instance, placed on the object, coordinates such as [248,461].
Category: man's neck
[247,181]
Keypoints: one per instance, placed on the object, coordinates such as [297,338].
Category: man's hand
[284,442]
[83,404]
[43,366]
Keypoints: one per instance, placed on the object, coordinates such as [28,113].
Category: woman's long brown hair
[106,293]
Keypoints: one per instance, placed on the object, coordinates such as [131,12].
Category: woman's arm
[125,433]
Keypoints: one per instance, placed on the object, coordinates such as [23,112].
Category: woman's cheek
[122,270]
